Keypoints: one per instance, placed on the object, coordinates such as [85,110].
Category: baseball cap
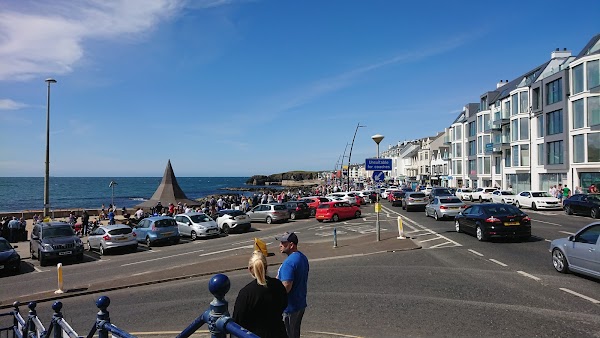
[287,237]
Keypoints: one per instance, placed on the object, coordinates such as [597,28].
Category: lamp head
[50,80]
[377,138]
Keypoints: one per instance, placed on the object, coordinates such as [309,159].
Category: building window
[480,145]
[514,130]
[554,123]
[593,74]
[487,165]
[578,149]
[472,167]
[540,126]
[507,158]
[523,102]
[525,154]
[487,126]
[457,167]
[555,153]
[593,110]
[515,104]
[535,98]
[472,129]
[497,165]
[578,79]
[524,128]
[593,147]
[515,156]
[458,150]
[578,114]
[458,133]
[472,148]
[506,111]
[480,124]
[554,92]
[540,154]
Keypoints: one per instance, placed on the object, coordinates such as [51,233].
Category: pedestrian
[85,221]
[293,273]
[13,230]
[111,216]
[566,192]
[592,189]
[259,304]
[578,190]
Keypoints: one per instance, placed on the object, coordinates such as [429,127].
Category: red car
[334,211]
[313,202]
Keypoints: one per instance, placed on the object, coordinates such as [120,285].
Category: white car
[196,224]
[503,196]
[427,191]
[482,194]
[233,220]
[464,193]
[349,197]
[537,200]
[386,192]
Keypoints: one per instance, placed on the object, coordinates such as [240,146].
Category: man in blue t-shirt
[293,274]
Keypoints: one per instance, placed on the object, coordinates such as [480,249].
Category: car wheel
[435,216]
[357,214]
[480,234]
[533,206]
[594,213]
[568,210]
[335,218]
[193,235]
[102,250]
[225,229]
[89,247]
[518,205]
[148,242]
[43,260]
[559,261]
[313,212]
[457,226]
[293,215]
[269,220]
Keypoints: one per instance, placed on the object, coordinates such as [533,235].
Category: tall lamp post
[112,185]
[350,154]
[47,172]
[377,138]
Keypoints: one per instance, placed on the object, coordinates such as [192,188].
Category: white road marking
[535,220]
[440,245]
[497,262]
[523,273]
[431,239]
[37,269]
[547,240]
[226,250]
[165,257]
[566,232]
[595,301]
[475,252]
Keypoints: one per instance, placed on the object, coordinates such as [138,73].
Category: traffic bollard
[400,229]
[335,237]
[60,279]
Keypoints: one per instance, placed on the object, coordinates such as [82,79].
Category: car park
[230,220]
[537,200]
[10,261]
[196,224]
[482,194]
[491,220]
[414,200]
[157,229]
[297,209]
[336,210]
[109,237]
[464,194]
[444,207]
[578,253]
[503,196]
[54,240]
[269,213]
[583,204]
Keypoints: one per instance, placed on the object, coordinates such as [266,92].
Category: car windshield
[502,210]
[120,231]
[450,200]
[200,218]
[443,192]
[417,195]
[5,246]
[540,194]
[506,193]
[467,190]
[164,223]
[279,207]
[57,232]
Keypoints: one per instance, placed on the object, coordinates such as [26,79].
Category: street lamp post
[377,138]
[350,154]
[112,185]
[47,172]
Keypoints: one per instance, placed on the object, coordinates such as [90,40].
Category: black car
[396,198]
[54,240]
[10,261]
[297,209]
[583,204]
[491,220]
[438,192]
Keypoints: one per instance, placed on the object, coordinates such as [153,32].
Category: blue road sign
[378,176]
[378,163]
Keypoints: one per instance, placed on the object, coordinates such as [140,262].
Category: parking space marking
[523,273]
[431,239]
[595,301]
[497,262]
[166,257]
[475,252]
[440,245]
[37,269]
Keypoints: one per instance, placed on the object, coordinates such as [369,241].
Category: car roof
[54,224]
[192,213]
[114,226]
[156,218]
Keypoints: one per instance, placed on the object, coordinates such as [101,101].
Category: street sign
[378,164]
[378,176]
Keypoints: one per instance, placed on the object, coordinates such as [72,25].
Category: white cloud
[8,104]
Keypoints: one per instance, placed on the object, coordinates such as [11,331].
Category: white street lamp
[47,172]
[377,138]
[112,185]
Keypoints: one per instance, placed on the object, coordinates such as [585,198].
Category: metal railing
[216,317]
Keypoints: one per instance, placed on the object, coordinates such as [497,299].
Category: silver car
[414,200]
[108,237]
[196,224]
[578,253]
[273,212]
[444,207]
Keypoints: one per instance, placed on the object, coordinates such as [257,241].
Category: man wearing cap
[293,274]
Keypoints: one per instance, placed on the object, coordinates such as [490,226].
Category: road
[454,286]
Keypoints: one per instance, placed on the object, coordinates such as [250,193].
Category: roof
[168,191]
[592,47]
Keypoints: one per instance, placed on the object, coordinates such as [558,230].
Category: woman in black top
[259,305]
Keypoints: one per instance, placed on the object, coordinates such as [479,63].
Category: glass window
[540,153]
[593,147]
[535,98]
[554,91]
[472,148]
[458,133]
[555,152]
[479,166]
[578,149]
[593,110]
[514,130]
[486,165]
[472,129]
[578,79]
[515,156]
[497,164]
[457,150]
[480,145]
[593,74]
[486,122]
[525,154]
[472,167]
[507,158]
[524,128]
[479,124]
[540,126]
[506,111]
[555,123]
[578,114]
[523,102]
[515,104]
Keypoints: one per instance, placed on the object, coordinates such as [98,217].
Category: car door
[252,213]
[524,198]
[577,203]
[95,238]
[472,218]
[142,229]
[184,225]
[583,251]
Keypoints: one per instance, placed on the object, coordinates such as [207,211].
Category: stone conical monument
[168,191]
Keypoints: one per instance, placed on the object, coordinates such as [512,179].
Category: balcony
[447,140]
[500,119]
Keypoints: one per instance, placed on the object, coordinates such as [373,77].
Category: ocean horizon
[27,193]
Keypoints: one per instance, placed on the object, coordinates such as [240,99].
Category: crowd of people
[13,229]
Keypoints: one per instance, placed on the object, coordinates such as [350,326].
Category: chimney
[560,54]
[500,84]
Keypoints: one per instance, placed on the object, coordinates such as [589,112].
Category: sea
[27,193]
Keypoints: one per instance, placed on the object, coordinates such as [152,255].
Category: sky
[254,87]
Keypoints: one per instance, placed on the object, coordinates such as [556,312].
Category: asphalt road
[454,286]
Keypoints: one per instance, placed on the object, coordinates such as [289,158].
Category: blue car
[157,229]
[10,261]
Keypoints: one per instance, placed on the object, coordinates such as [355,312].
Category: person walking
[111,216]
[293,273]
[85,222]
[259,304]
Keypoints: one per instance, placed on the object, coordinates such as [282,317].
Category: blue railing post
[103,317]
[56,317]
[16,314]
[218,285]
[30,326]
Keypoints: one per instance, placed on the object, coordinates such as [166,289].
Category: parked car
[230,220]
[297,209]
[109,237]
[54,240]
[334,211]
[157,229]
[427,190]
[579,252]
[444,207]
[367,195]
[274,212]
[414,200]
[396,198]
[491,220]
[435,192]
[10,261]
[537,200]
[583,204]
[345,196]
[313,202]
[503,196]
[196,224]
[464,194]
[482,194]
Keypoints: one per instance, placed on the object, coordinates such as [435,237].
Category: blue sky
[237,88]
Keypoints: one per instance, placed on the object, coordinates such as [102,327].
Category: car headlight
[46,247]
[78,242]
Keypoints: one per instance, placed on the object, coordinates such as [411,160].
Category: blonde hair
[258,267]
